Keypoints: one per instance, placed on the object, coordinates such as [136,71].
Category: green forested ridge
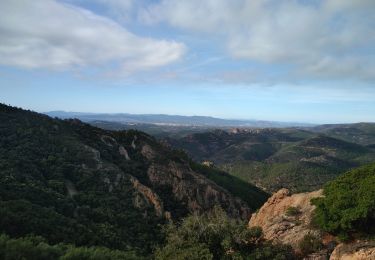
[67,182]
[297,159]
[360,133]
[39,156]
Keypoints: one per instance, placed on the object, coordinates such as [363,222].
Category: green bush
[348,205]
[292,211]
[215,236]
[309,244]
[35,248]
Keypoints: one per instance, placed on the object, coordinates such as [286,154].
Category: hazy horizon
[290,61]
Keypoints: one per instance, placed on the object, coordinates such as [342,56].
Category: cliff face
[286,218]
[162,178]
[190,190]
[193,190]
[359,250]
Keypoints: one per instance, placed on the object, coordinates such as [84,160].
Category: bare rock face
[123,152]
[149,195]
[321,255]
[286,218]
[359,250]
[193,190]
[148,152]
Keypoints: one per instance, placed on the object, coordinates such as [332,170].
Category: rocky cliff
[177,182]
[286,218]
[358,250]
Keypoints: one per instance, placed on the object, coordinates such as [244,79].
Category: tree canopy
[348,205]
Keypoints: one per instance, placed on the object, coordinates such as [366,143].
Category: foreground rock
[359,250]
[286,218]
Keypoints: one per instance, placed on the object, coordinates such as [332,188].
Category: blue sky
[308,61]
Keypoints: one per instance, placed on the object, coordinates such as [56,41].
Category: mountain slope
[306,165]
[222,146]
[70,182]
[277,158]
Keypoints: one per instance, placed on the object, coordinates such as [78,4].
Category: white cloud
[49,34]
[329,38]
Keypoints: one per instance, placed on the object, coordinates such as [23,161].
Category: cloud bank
[53,35]
[319,39]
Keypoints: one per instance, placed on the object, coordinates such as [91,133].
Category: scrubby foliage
[292,211]
[348,207]
[309,244]
[33,247]
[40,156]
[215,236]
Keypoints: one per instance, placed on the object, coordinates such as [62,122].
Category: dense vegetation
[72,183]
[348,208]
[215,236]
[45,163]
[360,133]
[36,248]
[67,191]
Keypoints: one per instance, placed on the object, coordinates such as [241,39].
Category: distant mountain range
[176,120]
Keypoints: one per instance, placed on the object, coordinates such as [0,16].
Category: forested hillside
[69,182]
[360,133]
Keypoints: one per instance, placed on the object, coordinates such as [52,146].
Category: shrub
[348,205]
[292,211]
[309,244]
[32,247]
[215,236]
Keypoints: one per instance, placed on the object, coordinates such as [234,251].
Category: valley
[297,159]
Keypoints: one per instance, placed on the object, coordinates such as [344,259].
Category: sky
[284,60]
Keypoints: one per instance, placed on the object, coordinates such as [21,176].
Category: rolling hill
[296,159]
[360,133]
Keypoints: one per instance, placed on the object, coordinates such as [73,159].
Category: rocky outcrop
[96,161]
[151,197]
[286,218]
[108,140]
[194,190]
[148,152]
[123,152]
[358,250]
